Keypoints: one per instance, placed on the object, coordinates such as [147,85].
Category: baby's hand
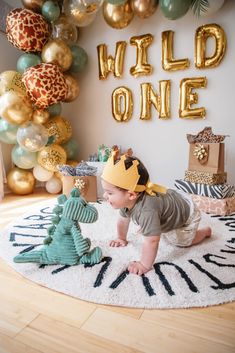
[118,242]
[137,268]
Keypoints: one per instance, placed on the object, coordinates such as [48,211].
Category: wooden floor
[35,319]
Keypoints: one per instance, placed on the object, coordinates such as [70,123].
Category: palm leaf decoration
[199,6]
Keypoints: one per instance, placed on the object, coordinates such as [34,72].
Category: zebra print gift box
[219,191]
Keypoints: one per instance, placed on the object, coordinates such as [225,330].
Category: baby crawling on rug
[158,212]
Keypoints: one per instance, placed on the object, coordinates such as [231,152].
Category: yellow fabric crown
[118,175]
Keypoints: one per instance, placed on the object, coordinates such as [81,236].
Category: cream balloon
[53,185]
[42,174]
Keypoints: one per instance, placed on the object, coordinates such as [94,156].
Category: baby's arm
[122,229]
[148,255]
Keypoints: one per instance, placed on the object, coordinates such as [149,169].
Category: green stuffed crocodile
[65,244]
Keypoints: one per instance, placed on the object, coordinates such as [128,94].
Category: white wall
[160,144]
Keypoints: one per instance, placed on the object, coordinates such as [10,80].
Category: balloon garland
[30,98]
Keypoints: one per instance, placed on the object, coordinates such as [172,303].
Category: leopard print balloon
[27,30]
[45,84]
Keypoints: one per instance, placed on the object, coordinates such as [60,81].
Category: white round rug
[198,276]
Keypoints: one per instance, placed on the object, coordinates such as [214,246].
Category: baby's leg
[201,234]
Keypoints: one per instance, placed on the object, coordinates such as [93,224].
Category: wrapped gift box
[86,185]
[205,177]
[219,207]
[219,191]
[100,166]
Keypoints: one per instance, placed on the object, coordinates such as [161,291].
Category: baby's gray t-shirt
[159,214]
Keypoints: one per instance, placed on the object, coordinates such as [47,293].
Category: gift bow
[151,188]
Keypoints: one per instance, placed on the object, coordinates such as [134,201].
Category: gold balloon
[11,81]
[161,102]
[202,34]
[168,62]
[144,8]
[187,98]
[15,108]
[34,5]
[20,181]
[142,43]
[50,157]
[57,52]
[122,104]
[118,16]
[109,64]
[73,88]
[40,116]
[60,128]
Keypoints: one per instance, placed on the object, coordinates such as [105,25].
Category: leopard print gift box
[221,207]
[205,177]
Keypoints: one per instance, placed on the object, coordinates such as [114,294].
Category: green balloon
[54,109]
[80,58]
[27,60]
[51,11]
[174,9]
[8,132]
[22,158]
[71,148]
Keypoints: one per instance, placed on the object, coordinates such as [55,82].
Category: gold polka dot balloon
[50,157]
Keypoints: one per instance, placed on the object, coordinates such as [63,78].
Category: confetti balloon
[79,13]
[11,81]
[65,30]
[27,30]
[20,181]
[50,157]
[32,137]
[15,108]
[45,84]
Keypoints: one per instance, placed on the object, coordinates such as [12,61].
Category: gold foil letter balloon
[202,34]
[45,84]
[118,16]
[11,81]
[109,64]
[20,181]
[15,108]
[57,52]
[168,62]
[122,104]
[187,98]
[142,43]
[161,102]
[50,157]
[27,30]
